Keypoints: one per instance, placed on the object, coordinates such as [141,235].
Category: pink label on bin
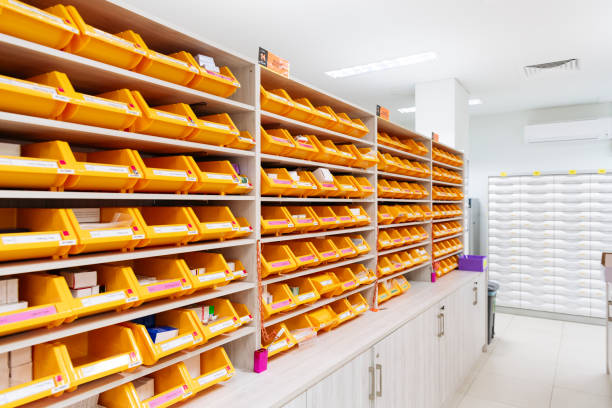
[347,251]
[307,258]
[281,304]
[164,286]
[28,314]
[281,222]
[281,263]
[328,219]
[349,284]
[345,218]
[279,181]
[175,393]
[328,185]
[305,221]
[279,139]
[331,253]
[309,146]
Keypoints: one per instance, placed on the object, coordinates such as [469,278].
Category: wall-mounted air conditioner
[592,129]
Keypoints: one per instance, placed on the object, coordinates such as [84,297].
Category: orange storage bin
[360,244]
[323,318]
[276,259]
[348,156]
[347,187]
[323,118]
[178,68]
[396,238]
[344,215]
[303,110]
[244,315]
[301,328]
[328,152]
[384,240]
[305,254]
[214,177]
[343,309]
[244,141]
[277,142]
[384,189]
[276,101]
[165,225]
[363,275]
[360,215]
[358,303]
[214,222]
[166,174]
[326,217]
[364,187]
[402,283]
[283,300]
[383,293]
[107,170]
[222,83]
[345,246]
[244,228]
[326,249]
[347,279]
[384,266]
[276,220]
[215,367]
[397,262]
[41,96]
[303,218]
[227,318]
[218,129]
[306,291]
[173,121]
[406,259]
[277,182]
[323,188]
[326,283]
[305,148]
[207,269]
[282,342]
[342,125]
[384,215]
[186,321]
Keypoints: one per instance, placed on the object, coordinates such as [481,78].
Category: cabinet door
[451,344]
[299,402]
[427,353]
[395,371]
[349,387]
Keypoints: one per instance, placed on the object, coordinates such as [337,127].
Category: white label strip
[29,85]
[179,341]
[170,173]
[115,39]
[326,282]
[360,307]
[219,176]
[220,326]
[344,315]
[105,298]
[106,169]
[30,390]
[170,116]
[30,239]
[106,365]
[212,376]
[124,232]
[105,102]
[29,163]
[217,125]
[306,296]
[211,276]
[170,59]
[278,98]
[276,346]
[218,225]
[170,228]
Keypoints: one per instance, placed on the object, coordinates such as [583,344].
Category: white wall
[496,145]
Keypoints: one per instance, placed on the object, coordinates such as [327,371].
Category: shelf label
[28,314]
[106,169]
[30,239]
[216,125]
[307,258]
[104,298]
[219,176]
[278,305]
[329,254]
[220,326]
[211,276]
[306,296]
[277,345]
[326,282]
[105,102]
[280,139]
[280,263]
[124,232]
[28,163]
[278,97]
[106,365]
[212,376]
[164,286]
[169,396]
[218,225]
[278,222]
[360,307]
[170,173]
[345,315]
[240,274]
[170,115]
[115,39]
[348,251]
[246,319]
[28,391]
[179,341]
[328,219]
[170,229]
[349,284]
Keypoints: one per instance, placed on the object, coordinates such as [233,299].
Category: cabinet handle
[443,325]
[440,325]
[379,368]
[475,296]
[372,383]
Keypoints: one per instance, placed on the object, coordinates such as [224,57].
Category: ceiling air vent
[567,65]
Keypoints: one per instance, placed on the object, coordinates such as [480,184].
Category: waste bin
[493,287]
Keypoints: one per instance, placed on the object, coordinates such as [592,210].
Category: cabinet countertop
[293,372]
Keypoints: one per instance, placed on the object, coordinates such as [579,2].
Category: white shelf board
[448,255]
[446,183]
[404,271]
[393,129]
[12,124]
[269,158]
[45,264]
[96,387]
[269,119]
[85,195]
[289,237]
[403,248]
[281,317]
[403,224]
[446,202]
[401,153]
[325,267]
[85,324]
[447,219]
[448,237]
[317,199]
[26,59]
[395,176]
[446,166]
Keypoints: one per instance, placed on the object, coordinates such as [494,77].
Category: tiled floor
[539,363]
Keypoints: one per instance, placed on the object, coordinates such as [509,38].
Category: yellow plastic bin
[304,253]
[244,228]
[165,225]
[239,271]
[326,249]
[227,321]
[218,130]
[282,301]
[384,240]
[356,127]
[303,218]
[41,96]
[364,187]
[215,367]
[384,189]
[326,283]
[276,101]
[244,186]
[361,216]
[396,238]
[47,308]
[222,83]
[366,157]
[406,259]
[244,315]
[97,353]
[358,303]
[326,217]
[208,269]
[344,215]
[384,215]
[186,321]
[244,141]
[33,173]
[402,283]
[328,152]
[348,156]
[214,222]
[276,220]
[38,233]
[397,262]
[338,125]
[301,328]
[384,266]
[166,174]
[52,26]
[178,68]
[276,259]
[112,110]
[276,182]
[107,170]
[323,189]
[323,118]
[172,121]
[302,111]
[406,235]
[277,142]
[305,148]
[393,288]
[346,187]
[345,246]
[215,177]
[323,318]
[171,385]
[360,244]
[282,342]
[49,377]
[343,309]
[306,291]
[383,293]
[347,279]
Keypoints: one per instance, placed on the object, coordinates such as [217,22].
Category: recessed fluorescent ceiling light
[412,109]
[382,65]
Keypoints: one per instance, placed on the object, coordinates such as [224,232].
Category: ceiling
[482,43]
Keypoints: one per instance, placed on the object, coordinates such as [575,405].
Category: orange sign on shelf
[273,62]
[435,137]
[382,112]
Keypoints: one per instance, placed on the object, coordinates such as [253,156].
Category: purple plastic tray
[475,263]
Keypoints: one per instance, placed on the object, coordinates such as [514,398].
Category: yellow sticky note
[572,172]
[503,174]
[536,173]
[601,171]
